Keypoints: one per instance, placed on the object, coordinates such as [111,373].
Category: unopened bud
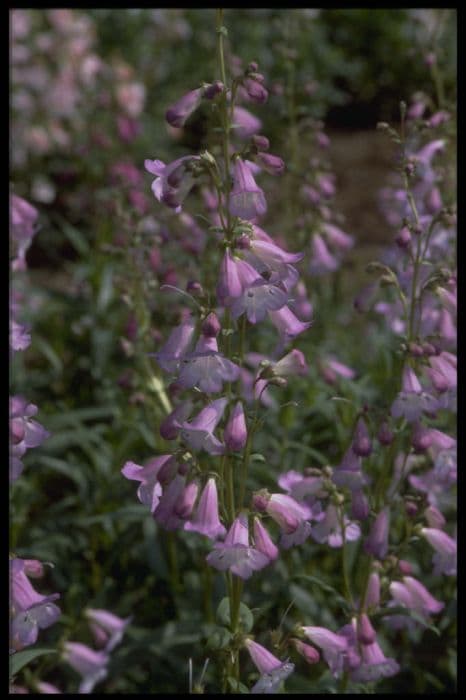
[211,326]
[411,509]
[261,142]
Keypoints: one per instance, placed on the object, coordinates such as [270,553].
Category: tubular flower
[334,646]
[236,434]
[198,433]
[30,610]
[377,542]
[445,547]
[288,513]
[206,368]
[150,490]
[92,665]
[107,626]
[247,200]
[206,521]
[173,182]
[236,554]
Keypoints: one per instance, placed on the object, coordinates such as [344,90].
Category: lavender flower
[198,433]
[377,541]
[206,520]
[445,547]
[236,554]
[90,664]
[334,646]
[235,434]
[173,182]
[105,625]
[247,200]
[206,368]
[30,610]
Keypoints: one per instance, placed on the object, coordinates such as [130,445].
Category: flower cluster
[91,664]
[206,353]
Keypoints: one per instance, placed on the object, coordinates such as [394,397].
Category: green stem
[173,562]
[344,559]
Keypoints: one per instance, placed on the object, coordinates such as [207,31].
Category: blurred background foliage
[71,506]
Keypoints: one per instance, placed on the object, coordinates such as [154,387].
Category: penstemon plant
[201,486]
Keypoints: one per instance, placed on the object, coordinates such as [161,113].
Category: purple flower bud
[366,633]
[359,505]
[326,184]
[310,654]
[168,470]
[229,286]
[403,238]
[385,435]
[211,326]
[271,164]
[263,541]
[206,520]
[411,509]
[47,688]
[338,238]
[405,567]
[261,142]
[195,288]
[185,504]
[17,430]
[361,444]
[210,91]
[245,123]
[33,568]
[377,541]
[178,113]
[434,201]
[255,90]
[260,501]
[235,434]
[421,438]
[438,118]
[434,517]
[247,200]
[373,591]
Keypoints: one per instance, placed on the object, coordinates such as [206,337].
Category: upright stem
[234,583]
[344,557]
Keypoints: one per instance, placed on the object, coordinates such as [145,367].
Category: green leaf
[245,615]
[21,658]
[236,686]
[75,237]
[219,639]
[325,587]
